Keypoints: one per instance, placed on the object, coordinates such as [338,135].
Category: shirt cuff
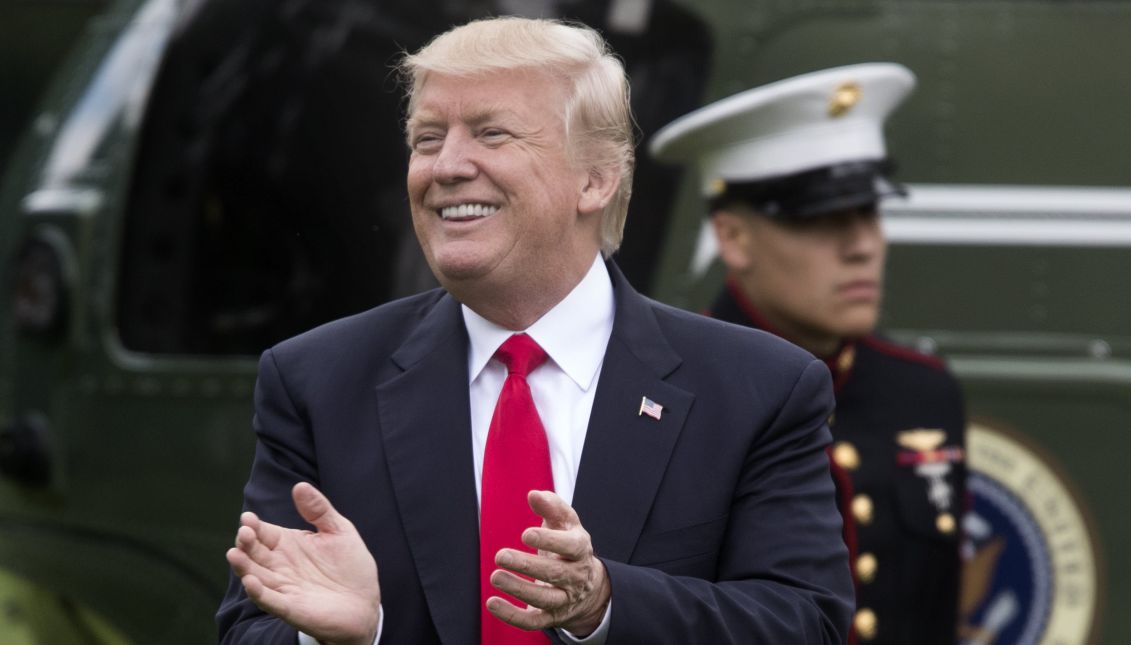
[306,639]
[597,637]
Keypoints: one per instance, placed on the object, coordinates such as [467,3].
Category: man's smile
[462,212]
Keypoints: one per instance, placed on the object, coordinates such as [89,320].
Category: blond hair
[598,119]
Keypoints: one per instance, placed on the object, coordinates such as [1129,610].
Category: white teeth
[467,210]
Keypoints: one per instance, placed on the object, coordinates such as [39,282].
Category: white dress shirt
[574,335]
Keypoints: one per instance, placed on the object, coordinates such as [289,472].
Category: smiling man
[534,452]
[793,173]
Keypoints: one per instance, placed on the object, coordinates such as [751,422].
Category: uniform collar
[840,362]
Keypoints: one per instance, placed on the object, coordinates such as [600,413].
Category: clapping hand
[323,583]
[570,587]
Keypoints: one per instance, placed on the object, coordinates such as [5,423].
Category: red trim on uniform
[843,481]
[905,353]
[911,457]
[844,494]
[749,309]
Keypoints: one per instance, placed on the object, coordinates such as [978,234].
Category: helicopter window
[268,193]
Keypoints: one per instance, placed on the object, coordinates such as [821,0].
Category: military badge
[932,461]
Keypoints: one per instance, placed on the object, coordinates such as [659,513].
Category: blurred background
[185,182]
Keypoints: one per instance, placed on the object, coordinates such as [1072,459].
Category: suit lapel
[626,453]
[424,414]
[426,430]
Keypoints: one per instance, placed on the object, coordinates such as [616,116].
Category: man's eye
[425,142]
[493,134]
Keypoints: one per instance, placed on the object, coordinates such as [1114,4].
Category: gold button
[865,624]
[845,455]
[862,509]
[945,523]
[866,566]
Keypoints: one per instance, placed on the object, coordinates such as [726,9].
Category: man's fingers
[550,570]
[267,533]
[244,565]
[247,518]
[553,509]
[530,618]
[257,558]
[537,595]
[571,545]
[245,538]
[248,542]
[239,561]
[266,598]
[313,506]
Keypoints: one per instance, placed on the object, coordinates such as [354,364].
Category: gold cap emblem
[716,187]
[921,439]
[843,99]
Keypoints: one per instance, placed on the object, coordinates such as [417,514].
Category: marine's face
[819,280]
[494,195]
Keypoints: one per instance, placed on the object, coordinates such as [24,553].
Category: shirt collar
[574,333]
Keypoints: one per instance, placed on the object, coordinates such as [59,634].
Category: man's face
[495,198]
[818,279]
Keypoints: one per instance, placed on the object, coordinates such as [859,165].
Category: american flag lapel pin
[650,407]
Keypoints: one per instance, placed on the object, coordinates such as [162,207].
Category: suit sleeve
[782,570]
[283,457]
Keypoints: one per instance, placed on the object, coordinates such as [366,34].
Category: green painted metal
[149,454]
[1024,94]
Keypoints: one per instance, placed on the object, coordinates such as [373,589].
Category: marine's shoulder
[897,362]
[902,353]
[712,336]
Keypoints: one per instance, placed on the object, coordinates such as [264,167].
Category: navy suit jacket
[717,522]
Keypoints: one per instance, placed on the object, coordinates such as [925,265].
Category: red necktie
[516,460]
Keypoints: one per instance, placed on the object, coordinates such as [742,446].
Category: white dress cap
[797,124]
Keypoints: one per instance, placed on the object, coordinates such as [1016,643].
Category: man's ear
[600,186]
[734,235]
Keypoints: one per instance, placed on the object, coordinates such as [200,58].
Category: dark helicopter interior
[268,190]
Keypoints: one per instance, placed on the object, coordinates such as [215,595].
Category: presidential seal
[1030,561]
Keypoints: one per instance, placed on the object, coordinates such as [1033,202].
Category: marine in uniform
[793,173]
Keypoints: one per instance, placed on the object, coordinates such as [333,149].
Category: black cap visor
[813,193]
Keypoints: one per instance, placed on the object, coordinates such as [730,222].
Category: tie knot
[520,354]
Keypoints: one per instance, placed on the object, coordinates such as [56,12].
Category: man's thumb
[313,506]
[552,508]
